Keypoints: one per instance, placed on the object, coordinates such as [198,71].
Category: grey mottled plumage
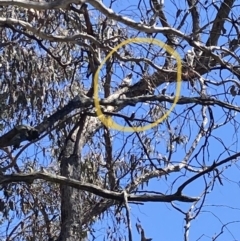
[190,57]
[127,80]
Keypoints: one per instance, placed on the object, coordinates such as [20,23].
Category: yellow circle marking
[108,121]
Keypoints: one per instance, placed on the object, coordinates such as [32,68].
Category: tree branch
[219,21]
[29,178]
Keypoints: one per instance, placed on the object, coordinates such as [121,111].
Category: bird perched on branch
[17,135]
[127,80]
[190,56]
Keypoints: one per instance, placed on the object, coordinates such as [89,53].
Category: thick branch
[39,5]
[82,101]
[219,21]
[29,178]
[195,19]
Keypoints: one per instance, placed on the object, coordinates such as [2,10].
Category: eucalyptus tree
[102,100]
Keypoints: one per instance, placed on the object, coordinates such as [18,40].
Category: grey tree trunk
[75,211]
[71,205]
